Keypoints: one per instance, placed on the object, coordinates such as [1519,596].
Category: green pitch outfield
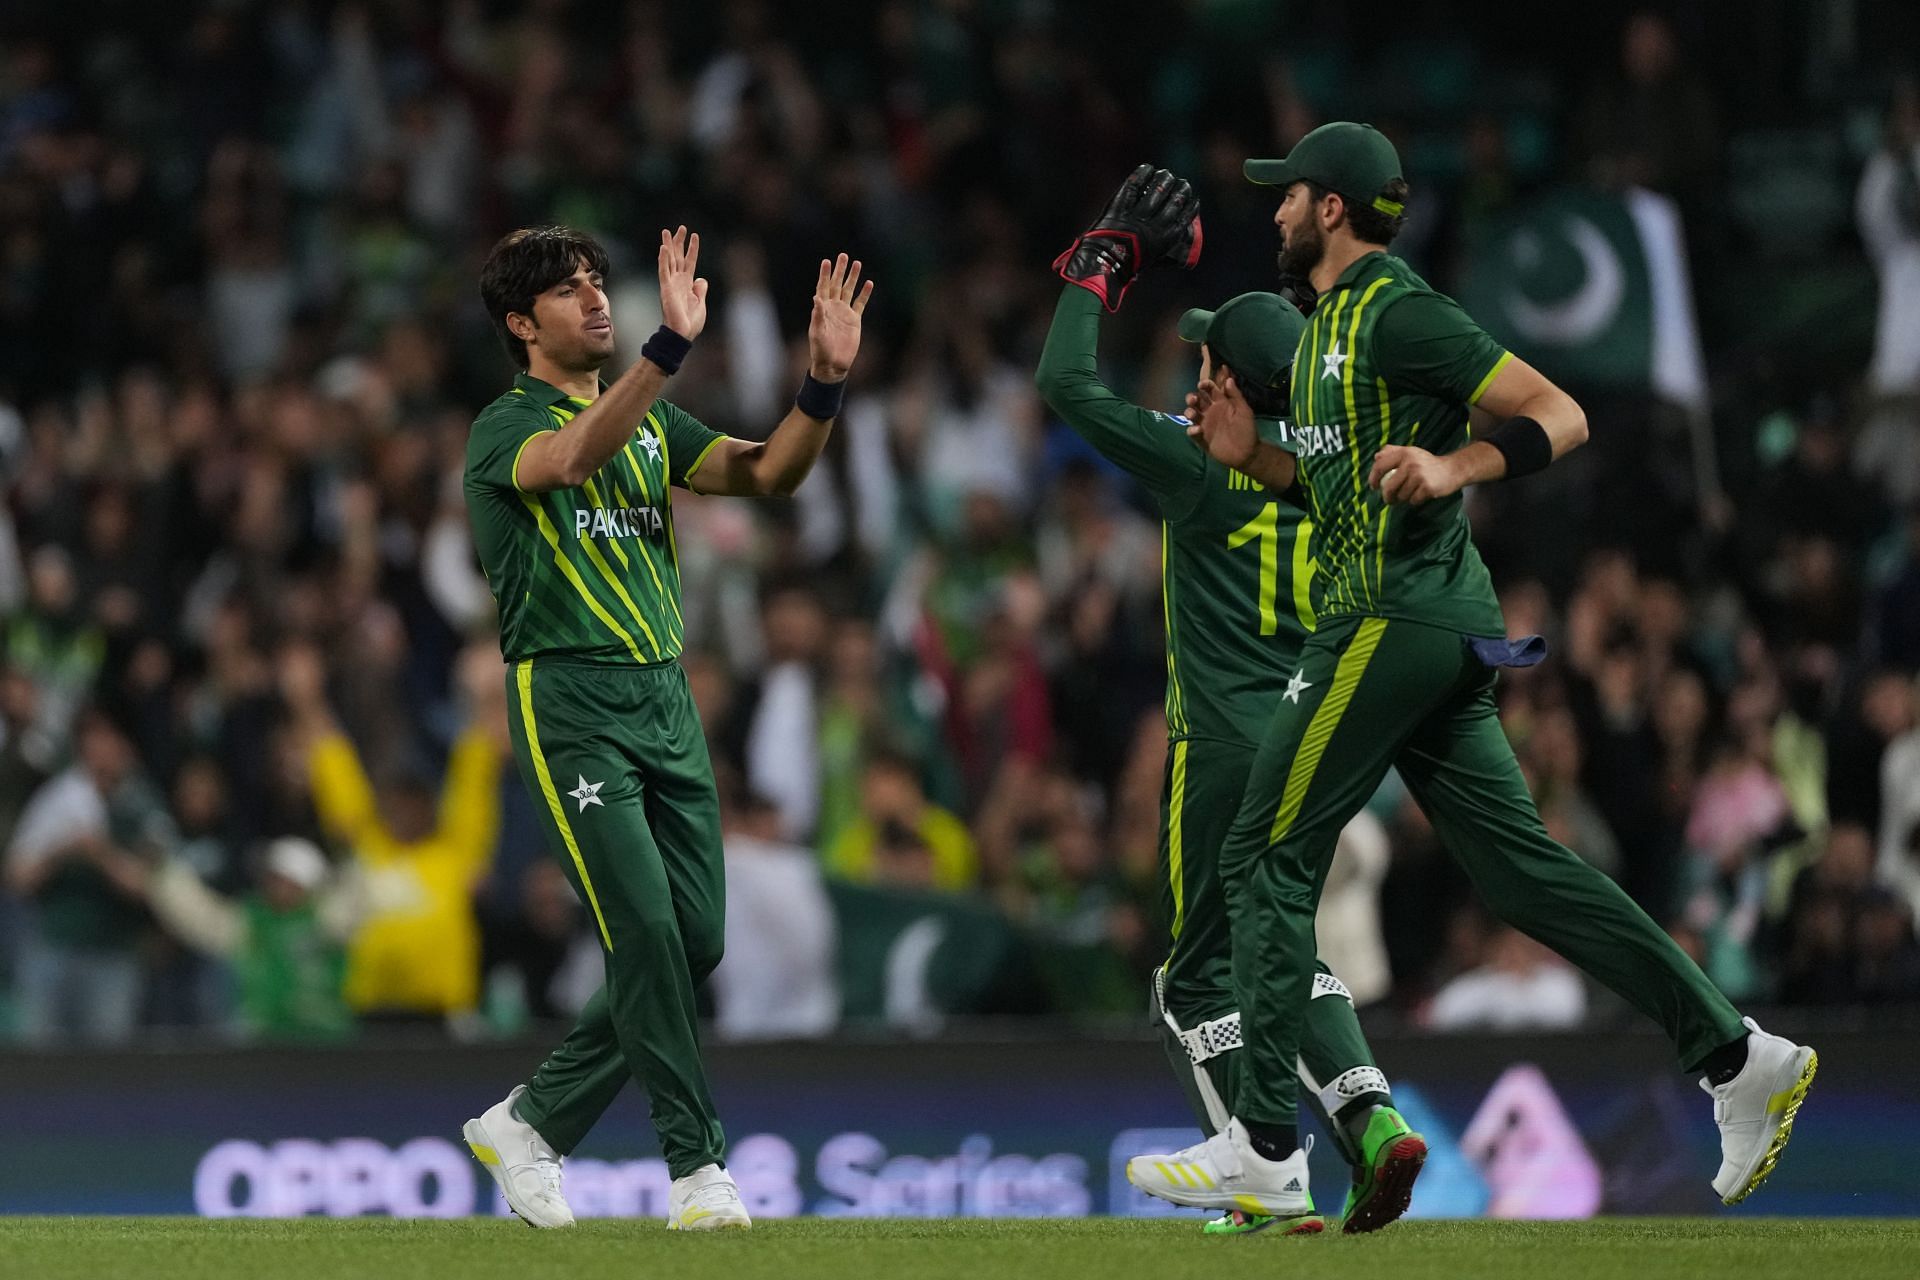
[1106,1249]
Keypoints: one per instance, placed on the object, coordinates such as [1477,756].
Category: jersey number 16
[1265,528]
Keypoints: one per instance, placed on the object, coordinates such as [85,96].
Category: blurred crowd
[253,773]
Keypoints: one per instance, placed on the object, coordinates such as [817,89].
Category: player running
[1400,673]
[567,490]
[1236,578]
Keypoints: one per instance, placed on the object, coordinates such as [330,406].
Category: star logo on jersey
[651,445]
[1332,361]
[587,793]
[1294,687]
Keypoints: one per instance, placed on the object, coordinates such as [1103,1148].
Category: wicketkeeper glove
[1154,216]
[1299,291]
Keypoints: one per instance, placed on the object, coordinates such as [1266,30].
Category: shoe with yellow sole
[1755,1110]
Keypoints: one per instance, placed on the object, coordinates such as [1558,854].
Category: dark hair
[1368,223]
[525,264]
[1266,401]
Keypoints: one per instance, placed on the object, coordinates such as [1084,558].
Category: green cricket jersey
[1234,568]
[1385,359]
[590,572]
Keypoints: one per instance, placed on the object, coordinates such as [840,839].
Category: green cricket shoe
[1391,1158]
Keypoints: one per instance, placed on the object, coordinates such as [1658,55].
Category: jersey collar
[1361,265]
[544,394]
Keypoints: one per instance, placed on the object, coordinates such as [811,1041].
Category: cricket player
[1400,673]
[567,482]
[1236,576]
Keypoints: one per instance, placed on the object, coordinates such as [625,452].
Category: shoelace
[715,1195]
[548,1171]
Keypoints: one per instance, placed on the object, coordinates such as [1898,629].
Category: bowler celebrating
[567,485]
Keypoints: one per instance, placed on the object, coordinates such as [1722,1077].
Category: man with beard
[1237,578]
[1400,673]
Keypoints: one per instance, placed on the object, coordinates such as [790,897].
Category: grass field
[309,1249]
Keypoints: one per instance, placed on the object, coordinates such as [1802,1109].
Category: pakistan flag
[1592,288]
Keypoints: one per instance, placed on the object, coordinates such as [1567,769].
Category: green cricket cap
[1355,160]
[1255,333]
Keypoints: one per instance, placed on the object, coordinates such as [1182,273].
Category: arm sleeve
[1426,343]
[686,439]
[470,798]
[498,436]
[195,914]
[341,793]
[1151,446]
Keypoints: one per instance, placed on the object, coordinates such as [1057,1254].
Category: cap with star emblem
[1353,159]
[1255,334]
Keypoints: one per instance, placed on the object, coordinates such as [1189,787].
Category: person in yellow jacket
[900,837]
[418,951]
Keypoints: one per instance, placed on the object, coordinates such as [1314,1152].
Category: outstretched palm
[1221,421]
[833,335]
[683,295]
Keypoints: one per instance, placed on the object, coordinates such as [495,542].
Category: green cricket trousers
[1194,996]
[1382,693]
[617,765]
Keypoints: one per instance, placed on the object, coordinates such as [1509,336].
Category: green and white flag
[1592,288]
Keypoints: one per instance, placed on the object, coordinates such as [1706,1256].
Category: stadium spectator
[777,979]
[417,952]
[1887,208]
[78,858]
[1651,123]
[1899,835]
[541,959]
[900,836]
[783,732]
[1348,922]
[285,939]
[1822,951]
[1518,984]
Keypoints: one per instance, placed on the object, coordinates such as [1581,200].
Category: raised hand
[1153,217]
[833,334]
[1222,421]
[683,295]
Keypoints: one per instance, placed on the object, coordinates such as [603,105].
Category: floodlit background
[242,346]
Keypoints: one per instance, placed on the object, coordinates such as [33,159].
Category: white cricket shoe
[526,1169]
[1225,1172]
[706,1200]
[1755,1110]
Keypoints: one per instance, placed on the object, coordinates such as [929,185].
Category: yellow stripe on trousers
[1176,807]
[524,675]
[1346,679]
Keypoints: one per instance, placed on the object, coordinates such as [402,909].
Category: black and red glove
[1154,216]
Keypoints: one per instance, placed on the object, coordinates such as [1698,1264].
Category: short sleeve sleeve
[1426,343]
[498,436]
[1277,432]
[688,440]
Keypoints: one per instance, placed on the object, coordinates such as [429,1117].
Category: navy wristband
[667,349]
[1524,444]
[820,400]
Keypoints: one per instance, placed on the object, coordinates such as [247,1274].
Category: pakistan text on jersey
[1316,442]
[618,522]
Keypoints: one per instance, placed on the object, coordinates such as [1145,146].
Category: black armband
[1524,444]
[667,349]
[820,400]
